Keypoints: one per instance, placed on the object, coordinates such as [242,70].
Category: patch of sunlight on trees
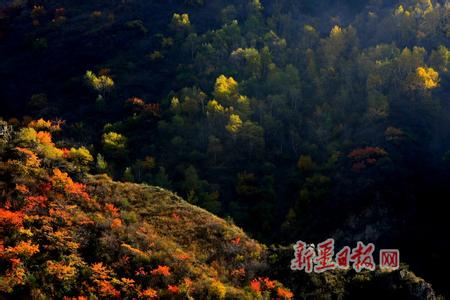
[234,124]
[181,20]
[100,83]
[225,87]
[429,78]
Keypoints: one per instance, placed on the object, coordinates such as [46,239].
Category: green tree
[251,59]
[101,164]
[250,139]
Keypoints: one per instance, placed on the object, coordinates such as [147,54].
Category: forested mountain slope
[101,239]
[61,238]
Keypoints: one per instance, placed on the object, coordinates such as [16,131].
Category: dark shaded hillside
[56,68]
[51,57]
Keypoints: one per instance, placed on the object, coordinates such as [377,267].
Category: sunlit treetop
[175,103]
[27,136]
[428,77]
[44,138]
[214,106]
[244,100]
[181,20]
[335,31]
[100,83]
[114,140]
[257,4]
[45,125]
[81,155]
[419,8]
[225,87]
[114,144]
[234,124]
[424,6]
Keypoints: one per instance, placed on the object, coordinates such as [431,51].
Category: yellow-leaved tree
[428,78]
[234,124]
[101,83]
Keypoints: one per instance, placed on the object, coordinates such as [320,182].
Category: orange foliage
[116,223]
[82,219]
[44,138]
[63,215]
[136,101]
[62,180]
[284,294]
[100,271]
[61,239]
[8,217]
[65,152]
[32,160]
[183,256]
[61,271]
[262,283]
[236,241]
[187,282]
[106,289]
[135,251]
[270,284]
[26,249]
[162,270]
[14,276]
[35,201]
[114,211]
[128,282]
[140,272]
[23,189]
[173,289]
[255,285]
[15,262]
[78,189]
[149,294]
